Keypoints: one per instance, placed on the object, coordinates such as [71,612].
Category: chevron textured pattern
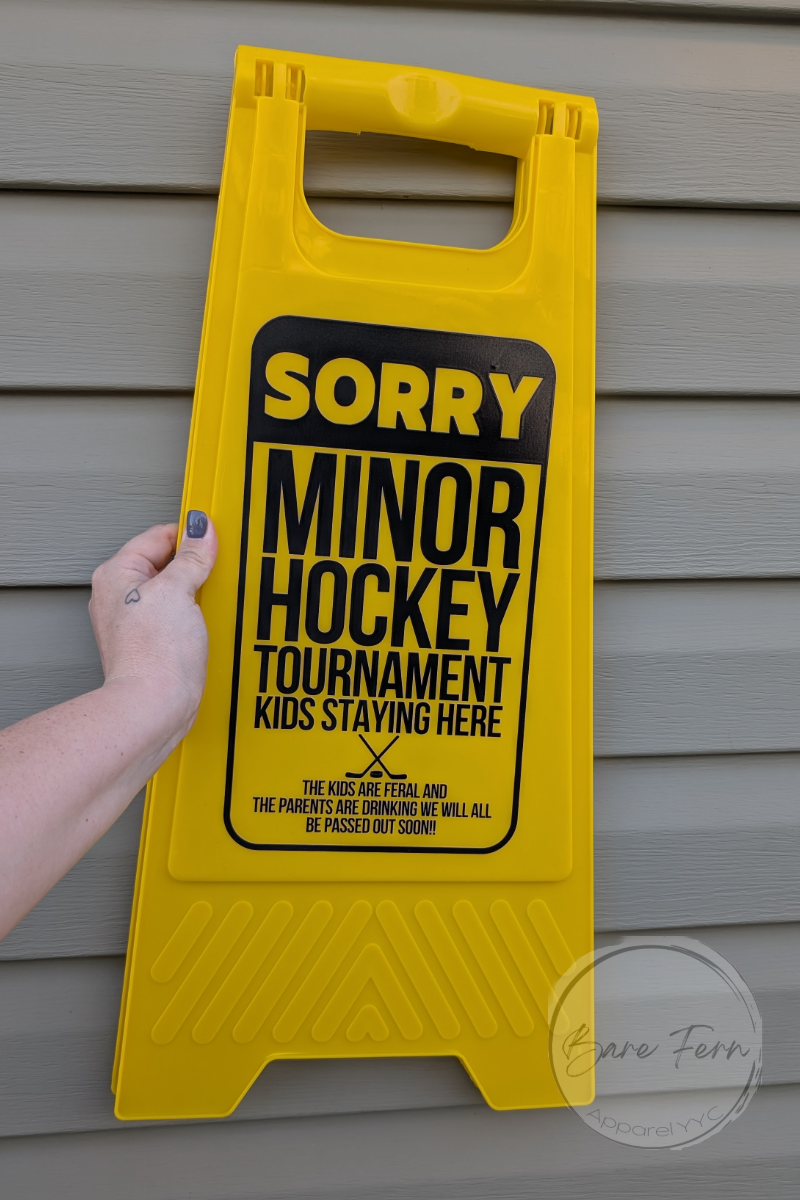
[368,970]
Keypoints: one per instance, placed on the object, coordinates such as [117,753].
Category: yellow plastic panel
[376,840]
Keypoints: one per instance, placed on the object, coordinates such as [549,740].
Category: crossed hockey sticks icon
[376,758]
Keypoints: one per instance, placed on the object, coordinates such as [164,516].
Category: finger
[196,553]
[146,554]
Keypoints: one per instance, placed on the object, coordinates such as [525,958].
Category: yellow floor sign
[376,840]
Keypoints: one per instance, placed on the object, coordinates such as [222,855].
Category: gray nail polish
[196,524]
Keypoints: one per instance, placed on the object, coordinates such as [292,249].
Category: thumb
[195,555]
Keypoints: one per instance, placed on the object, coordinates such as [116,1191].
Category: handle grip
[350,96]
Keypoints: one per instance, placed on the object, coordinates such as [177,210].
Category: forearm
[68,773]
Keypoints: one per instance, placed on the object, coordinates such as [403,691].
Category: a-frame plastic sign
[376,840]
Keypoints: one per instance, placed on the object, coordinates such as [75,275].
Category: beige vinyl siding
[419,1154]
[681,667]
[685,489]
[134,96]
[112,123]
[55,1053]
[677,839]
[689,302]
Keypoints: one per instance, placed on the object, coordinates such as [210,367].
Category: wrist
[161,707]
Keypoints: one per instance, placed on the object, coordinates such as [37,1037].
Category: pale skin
[67,774]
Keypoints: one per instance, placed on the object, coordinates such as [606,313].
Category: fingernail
[196,524]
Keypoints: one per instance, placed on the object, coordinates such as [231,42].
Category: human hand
[150,632]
